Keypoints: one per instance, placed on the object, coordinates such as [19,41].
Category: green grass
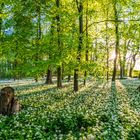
[100,111]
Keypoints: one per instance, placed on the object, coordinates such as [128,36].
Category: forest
[70,69]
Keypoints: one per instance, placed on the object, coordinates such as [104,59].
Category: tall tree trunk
[121,72]
[38,10]
[76,80]
[15,63]
[1,22]
[107,60]
[1,7]
[117,41]
[14,68]
[69,77]
[80,11]
[63,71]
[130,72]
[49,71]
[107,48]
[59,77]
[95,55]
[87,45]
[123,59]
[49,77]
[121,65]
[132,64]
[59,69]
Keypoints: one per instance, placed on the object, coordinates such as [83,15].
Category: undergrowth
[100,111]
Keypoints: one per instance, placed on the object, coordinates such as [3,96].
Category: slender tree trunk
[36,74]
[122,62]
[49,77]
[96,46]
[124,58]
[107,49]
[117,42]
[69,77]
[15,63]
[14,68]
[132,64]
[87,45]
[122,69]
[124,65]
[0,29]
[80,10]
[121,72]
[49,71]
[1,24]
[38,36]
[62,71]
[107,63]
[85,75]
[1,10]
[130,72]
[76,80]
[1,7]
[121,65]
[59,69]
[59,77]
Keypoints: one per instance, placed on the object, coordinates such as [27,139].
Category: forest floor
[100,111]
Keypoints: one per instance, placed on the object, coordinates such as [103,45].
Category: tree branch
[109,21]
[77,3]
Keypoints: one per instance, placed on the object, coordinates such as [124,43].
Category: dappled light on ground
[128,116]
[98,111]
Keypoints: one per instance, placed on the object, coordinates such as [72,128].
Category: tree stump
[9,104]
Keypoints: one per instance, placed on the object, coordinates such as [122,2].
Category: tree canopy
[69,38]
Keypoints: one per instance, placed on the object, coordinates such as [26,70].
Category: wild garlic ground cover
[100,111]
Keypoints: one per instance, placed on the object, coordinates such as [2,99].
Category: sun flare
[112,56]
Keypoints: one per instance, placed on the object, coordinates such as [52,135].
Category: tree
[117,40]
[59,69]
[80,11]
[87,42]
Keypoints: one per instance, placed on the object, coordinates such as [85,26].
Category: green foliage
[99,111]
[30,37]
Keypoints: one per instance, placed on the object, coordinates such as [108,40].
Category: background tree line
[73,38]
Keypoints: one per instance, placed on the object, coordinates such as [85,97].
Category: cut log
[9,104]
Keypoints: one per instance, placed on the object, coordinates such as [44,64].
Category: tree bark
[69,77]
[87,45]
[38,10]
[123,60]
[1,38]
[9,104]
[132,64]
[130,72]
[49,71]
[59,69]
[1,21]
[59,77]
[117,42]
[80,11]
[63,71]
[76,80]
[49,77]
[107,48]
